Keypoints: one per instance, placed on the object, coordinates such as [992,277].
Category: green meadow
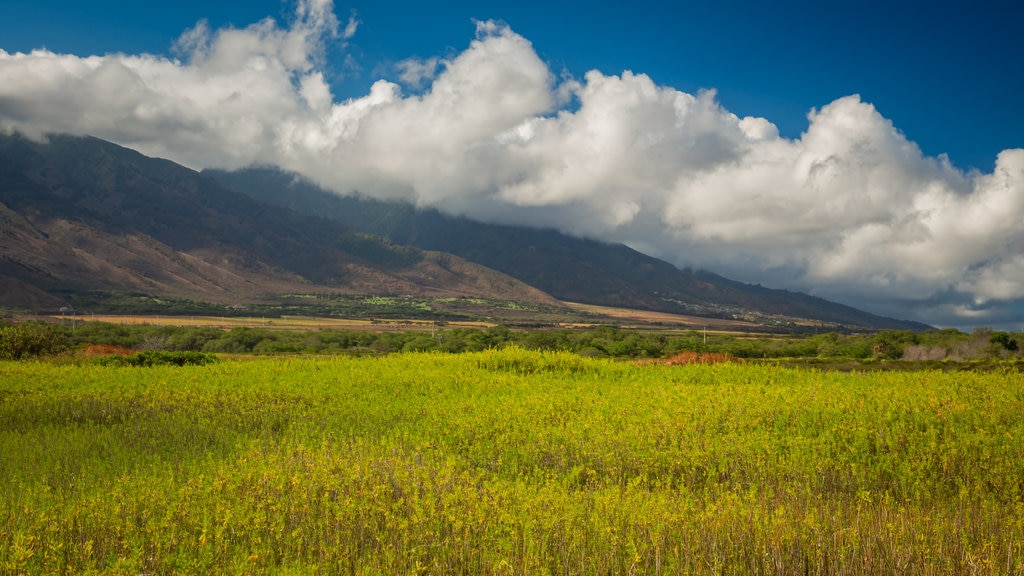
[507,462]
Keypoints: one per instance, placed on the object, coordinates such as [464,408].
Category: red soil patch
[684,358]
[107,350]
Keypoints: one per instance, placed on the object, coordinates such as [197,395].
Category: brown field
[297,323]
[642,318]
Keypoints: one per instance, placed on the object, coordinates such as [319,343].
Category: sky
[869,153]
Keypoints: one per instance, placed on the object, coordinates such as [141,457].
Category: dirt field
[639,318]
[298,323]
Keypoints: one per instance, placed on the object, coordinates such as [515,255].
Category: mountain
[81,214]
[568,268]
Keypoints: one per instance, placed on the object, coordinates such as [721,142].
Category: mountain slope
[568,268]
[81,214]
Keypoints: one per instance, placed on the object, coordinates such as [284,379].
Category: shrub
[160,358]
[30,339]
[1003,341]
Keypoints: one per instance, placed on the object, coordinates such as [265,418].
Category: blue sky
[817,164]
[949,74]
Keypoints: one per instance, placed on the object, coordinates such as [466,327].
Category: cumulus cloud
[851,209]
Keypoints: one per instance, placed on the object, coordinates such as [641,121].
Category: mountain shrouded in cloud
[850,210]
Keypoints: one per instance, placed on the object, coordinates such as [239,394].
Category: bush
[30,339]
[159,358]
[1003,341]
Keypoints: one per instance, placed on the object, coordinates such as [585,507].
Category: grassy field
[507,462]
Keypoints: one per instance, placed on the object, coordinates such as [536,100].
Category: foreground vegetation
[507,462]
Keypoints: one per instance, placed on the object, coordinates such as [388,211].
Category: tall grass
[507,462]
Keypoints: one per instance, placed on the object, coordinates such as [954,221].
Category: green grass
[507,462]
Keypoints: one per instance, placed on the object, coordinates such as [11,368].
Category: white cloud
[351,26]
[851,209]
[414,72]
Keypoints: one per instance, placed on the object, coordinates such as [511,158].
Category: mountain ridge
[81,214]
[568,268]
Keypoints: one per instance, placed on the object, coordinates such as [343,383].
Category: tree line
[34,339]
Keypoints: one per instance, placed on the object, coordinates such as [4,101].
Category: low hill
[568,268]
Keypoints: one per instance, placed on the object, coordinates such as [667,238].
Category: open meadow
[507,462]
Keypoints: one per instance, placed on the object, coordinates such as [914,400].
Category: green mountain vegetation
[568,268]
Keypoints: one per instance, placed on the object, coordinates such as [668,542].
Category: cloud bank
[851,210]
